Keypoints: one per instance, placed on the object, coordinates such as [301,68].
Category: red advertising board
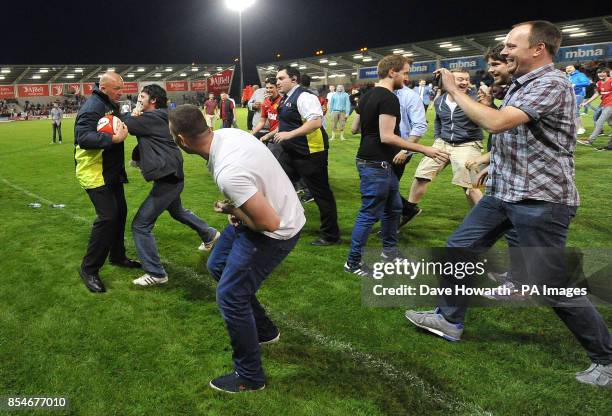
[57,90]
[75,89]
[130,88]
[174,86]
[88,88]
[33,90]
[220,82]
[198,86]
[7,91]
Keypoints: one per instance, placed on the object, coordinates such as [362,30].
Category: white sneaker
[148,280]
[581,131]
[207,246]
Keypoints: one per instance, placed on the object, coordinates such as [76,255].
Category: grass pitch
[149,351]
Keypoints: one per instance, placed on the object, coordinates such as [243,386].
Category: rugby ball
[109,124]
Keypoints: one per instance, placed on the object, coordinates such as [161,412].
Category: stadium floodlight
[578,35]
[194,69]
[206,74]
[78,70]
[302,67]
[458,48]
[157,75]
[353,73]
[36,77]
[340,75]
[220,68]
[1,77]
[446,45]
[333,63]
[110,69]
[70,76]
[271,67]
[397,51]
[569,29]
[294,65]
[500,38]
[407,54]
[358,56]
[168,69]
[367,59]
[130,75]
[6,71]
[323,61]
[43,70]
[140,70]
[183,74]
[239,6]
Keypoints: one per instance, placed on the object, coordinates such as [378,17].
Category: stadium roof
[45,74]
[575,32]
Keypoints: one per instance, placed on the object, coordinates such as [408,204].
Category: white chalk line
[387,369]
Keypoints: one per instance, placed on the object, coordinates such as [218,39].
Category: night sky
[185,31]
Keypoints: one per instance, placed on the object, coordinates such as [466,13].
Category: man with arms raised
[265,218]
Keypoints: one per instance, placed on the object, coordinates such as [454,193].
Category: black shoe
[233,383]
[127,263]
[321,242]
[92,281]
[409,216]
[359,269]
[270,339]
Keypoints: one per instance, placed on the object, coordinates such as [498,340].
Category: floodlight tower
[239,6]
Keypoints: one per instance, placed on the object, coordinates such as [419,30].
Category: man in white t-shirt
[265,217]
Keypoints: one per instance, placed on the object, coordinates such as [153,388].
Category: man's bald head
[111,84]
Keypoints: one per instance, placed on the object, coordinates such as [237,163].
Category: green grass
[153,351]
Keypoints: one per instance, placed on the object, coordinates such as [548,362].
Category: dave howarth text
[463,290]
[412,269]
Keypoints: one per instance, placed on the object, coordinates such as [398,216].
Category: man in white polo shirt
[265,217]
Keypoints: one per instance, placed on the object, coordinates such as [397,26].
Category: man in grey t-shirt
[56,120]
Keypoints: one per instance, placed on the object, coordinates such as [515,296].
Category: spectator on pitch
[354,99]
[532,189]
[339,107]
[251,112]
[56,121]
[265,219]
[161,162]
[413,125]
[210,111]
[247,91]
[603,90]
[100,169]
[378,117]
[268,119]
[455,133]
[579,82]
[306,146]
[226,110]
[328,97]
[424,91]
[126,109]
[254,106]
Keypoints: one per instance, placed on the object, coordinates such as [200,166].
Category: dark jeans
[380,200]
[539,226]
[250,114]
[312,169]
[57,128]
[227,123]
[399,172]
[164,196]
[108,229]
[241,260]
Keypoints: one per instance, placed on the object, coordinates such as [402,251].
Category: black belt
[373,163]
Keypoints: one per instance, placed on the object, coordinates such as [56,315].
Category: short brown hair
[460,69]
[543,31]
[188,121]
[391,62]
[494,53]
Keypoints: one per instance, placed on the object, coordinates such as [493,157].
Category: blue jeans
[164,196]
[380,200]
[241,260]
[538,225]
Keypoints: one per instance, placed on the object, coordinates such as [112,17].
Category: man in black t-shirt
[378,118]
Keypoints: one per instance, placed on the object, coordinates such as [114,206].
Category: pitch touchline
[387,369]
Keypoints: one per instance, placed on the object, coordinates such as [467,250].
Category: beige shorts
[210,119]
[338,120]
[459,154]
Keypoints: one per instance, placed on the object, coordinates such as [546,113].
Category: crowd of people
[530,196]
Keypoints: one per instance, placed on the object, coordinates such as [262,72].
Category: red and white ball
[109,124]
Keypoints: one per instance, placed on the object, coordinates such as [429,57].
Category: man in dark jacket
[161,162]
[455,133]
[99,160]
[226,111]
